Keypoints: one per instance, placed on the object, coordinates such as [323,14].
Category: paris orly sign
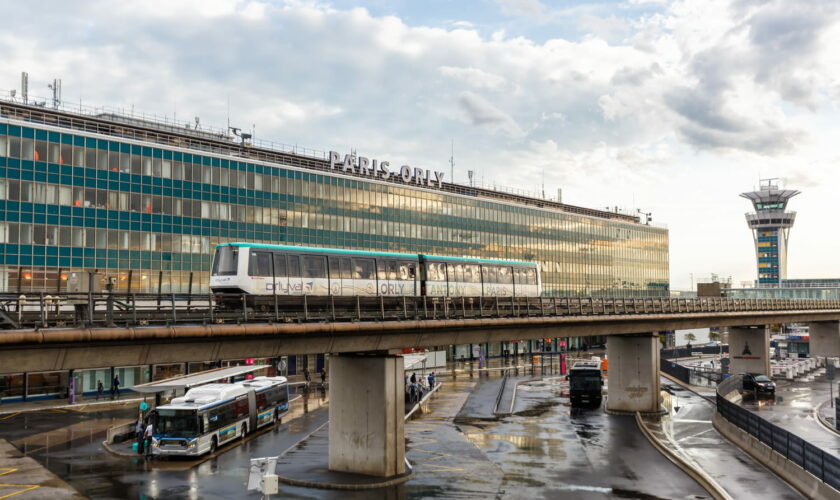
[383,170]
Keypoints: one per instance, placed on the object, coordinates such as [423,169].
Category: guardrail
[44,309]
[813,459]
[685,352]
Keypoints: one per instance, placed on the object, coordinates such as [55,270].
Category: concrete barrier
[808,484]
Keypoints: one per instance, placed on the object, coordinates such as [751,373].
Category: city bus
[211,415]
[585,384]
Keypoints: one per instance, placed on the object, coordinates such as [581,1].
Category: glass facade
[71,200]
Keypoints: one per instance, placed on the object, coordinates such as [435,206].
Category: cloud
[482,113]
[526,8]
[474,77]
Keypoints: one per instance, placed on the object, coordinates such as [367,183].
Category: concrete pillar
[633,372]
[824,339]
[367,410]
[749,350]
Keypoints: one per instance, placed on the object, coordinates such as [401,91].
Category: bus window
[280,264]
[363,269]
[260,264]
[224,264]
[294,266]
[346,269]
[314,266]
[335,270]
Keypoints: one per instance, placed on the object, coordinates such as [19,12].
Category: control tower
[770,224]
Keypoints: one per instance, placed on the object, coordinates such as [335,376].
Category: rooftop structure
[770,224]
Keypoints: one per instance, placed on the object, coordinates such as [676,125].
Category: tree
[714,335]
[690,337]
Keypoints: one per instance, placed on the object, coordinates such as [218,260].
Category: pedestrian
[115,388]
[100,388]
[71,391]
[150,432]
[323,377]
[306,376]
[139,430]
[432,380]
[413,378]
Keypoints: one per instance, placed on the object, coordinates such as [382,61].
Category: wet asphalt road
[794,408]
[688,429]
[548,450]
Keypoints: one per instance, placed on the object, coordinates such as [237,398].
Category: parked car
[758,384]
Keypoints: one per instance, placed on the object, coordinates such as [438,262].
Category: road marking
[10,416]
[26,487]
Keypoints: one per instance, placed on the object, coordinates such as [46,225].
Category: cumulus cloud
[474,77]
[482,113]
[528,8]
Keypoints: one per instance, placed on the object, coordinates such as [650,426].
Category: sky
[669,107]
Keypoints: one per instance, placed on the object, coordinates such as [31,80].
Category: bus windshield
[585,382]
[225,261]
[177,423]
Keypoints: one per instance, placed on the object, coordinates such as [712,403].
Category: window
[532,276]
[294,266]
[224,264]
[392,269]
[436,271]
[346,269]
[490,274]
[314,266]
[335,270]
[505,276]
[280,264]
[472,273]
[260,264]
[363,269]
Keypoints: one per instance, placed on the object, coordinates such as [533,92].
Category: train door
[295,276]
[346,277]
[314,269]
[281,275]
[364,276]
[335,275]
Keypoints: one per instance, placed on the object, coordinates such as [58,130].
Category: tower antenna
[452,162]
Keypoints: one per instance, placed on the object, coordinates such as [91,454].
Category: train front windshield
[225,261]
[177,423]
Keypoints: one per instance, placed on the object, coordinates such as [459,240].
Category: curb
[345,487]
[703,479]
[822,419]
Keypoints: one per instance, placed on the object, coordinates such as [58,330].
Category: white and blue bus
[265,270]
[211,415]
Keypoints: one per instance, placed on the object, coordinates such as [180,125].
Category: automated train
[266,270]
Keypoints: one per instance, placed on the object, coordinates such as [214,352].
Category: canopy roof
[192,380]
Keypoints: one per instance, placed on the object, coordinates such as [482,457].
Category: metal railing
[44,309]
[823,465]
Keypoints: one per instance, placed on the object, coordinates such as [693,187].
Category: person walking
[413,378]
[431,380]
[306,377]
[323,377]
[115,388]
[150,432]
[100,388]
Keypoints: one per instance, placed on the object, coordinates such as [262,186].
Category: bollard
[21,302]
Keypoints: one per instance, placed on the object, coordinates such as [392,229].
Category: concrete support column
[749,350]
[367,410]
[633,373]
[825,339]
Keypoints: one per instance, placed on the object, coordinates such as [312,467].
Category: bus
[211,415]
[585,384]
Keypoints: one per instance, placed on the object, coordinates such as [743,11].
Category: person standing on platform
[115,388]
[139,431]
[323,377]
[100,388]
[306,377]
[147,438]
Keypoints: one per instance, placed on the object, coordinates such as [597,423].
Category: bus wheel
[213,445]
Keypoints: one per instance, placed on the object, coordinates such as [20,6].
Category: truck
[585,383]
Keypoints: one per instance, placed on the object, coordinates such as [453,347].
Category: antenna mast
[452,163]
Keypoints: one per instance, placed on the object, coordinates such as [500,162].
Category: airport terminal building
[146,202]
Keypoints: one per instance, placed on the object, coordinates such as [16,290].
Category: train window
[435,271]
[532,276]
[505,275]
[517,275]
[392,269]
[335,270]
[294,266]
[225,262]
[381,271]
[280,264]
[406,271]
[490,274]
[314,266]
[472,273]
[363,269]
[346,269]
[260,264]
